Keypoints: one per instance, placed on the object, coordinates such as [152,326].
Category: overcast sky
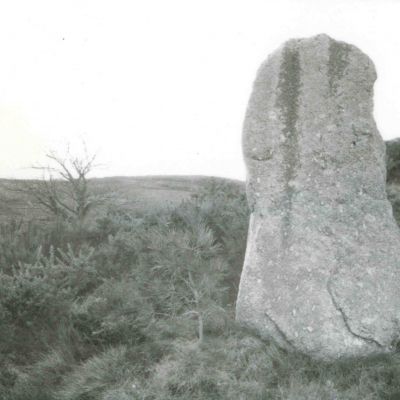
[161,87]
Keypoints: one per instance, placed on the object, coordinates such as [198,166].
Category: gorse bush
[36,299]
[140,306]
[223,209]
[116,312]
[98,374]
[18,243]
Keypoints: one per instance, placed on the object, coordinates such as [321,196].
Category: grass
[105,311]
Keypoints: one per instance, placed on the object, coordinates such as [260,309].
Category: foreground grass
[107,312]
[235,365]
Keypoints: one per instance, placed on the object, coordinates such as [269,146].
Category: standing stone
[322,268]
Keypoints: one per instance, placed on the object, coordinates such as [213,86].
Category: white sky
[161,87]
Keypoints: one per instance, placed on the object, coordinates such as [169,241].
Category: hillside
[152,193]
[131,193]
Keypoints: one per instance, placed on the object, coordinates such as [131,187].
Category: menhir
[322,268]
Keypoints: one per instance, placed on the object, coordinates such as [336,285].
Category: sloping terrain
[132,193]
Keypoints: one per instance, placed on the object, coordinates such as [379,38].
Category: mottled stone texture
[322,267]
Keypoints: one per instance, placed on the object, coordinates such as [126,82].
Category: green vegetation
[140,305]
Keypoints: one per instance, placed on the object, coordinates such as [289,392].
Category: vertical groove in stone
[338,61]
[288,102]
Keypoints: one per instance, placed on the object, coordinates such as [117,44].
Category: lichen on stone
[287,102]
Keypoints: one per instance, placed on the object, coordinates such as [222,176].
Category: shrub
[36,299]
[228,367]
[99,374]
[19,242]
[222,207]
[32,309]
[40,380]
[118,254]
[115,313]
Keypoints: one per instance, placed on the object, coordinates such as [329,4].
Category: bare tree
[64,190]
